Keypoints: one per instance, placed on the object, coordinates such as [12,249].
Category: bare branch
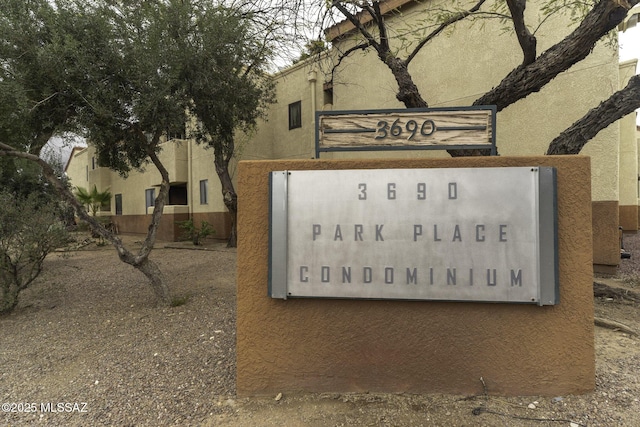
[345,54]
[377,16]
[37,104]
[356,23]
[452,20]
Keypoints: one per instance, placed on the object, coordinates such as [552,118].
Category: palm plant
[83,196]
[100,199]
[93,199]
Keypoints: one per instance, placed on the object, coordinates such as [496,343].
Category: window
[328,93]
[87,170]
[295,115]
[118,198]
[204,191]
[178,194]
[149,196]
[176,132]
[93,163]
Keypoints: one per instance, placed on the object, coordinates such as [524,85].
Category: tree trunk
[229,197]
[605,291]
[156,279]
[616,326]
[9,288]
[8,297]
[408,92]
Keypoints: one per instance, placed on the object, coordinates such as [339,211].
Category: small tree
[29,231]
[219,55]
[194,233]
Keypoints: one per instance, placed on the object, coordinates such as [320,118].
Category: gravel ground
[87,346]
[89,332]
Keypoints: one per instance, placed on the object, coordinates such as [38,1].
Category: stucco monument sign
[454,234]
[415,275]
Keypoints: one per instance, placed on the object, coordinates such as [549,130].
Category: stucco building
[453,70]
[194,193]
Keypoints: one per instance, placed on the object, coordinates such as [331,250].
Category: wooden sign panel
[406,129]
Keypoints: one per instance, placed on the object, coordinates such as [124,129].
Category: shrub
[29,231]
[195,234]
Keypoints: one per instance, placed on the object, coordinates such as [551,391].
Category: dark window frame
[118,203]
[295,115]
[204,191]
[149,197]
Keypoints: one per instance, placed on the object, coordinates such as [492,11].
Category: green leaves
[93,199]
[123,72]
[29,231]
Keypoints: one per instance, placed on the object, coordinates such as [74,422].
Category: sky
[60,148]
[630,44]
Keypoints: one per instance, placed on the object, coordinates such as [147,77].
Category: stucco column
[312,77]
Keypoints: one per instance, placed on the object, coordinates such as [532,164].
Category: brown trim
[606,240]
[169,230]
[629,217]
[220,221]
[345,27]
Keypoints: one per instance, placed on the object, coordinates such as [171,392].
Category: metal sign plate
[477,234]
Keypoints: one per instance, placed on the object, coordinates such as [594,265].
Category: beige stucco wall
[78,166]
[316,345]
[455,69]
[273,139]
[83,171]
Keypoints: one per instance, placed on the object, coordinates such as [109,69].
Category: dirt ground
[87,346]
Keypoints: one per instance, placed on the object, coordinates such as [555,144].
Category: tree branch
[159,203]
[140,262]
[527,79]
[346,53]
[527,40]
[356,23]
[623,102]
[42,101]
[67,196]
[452,20]
[377,16]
